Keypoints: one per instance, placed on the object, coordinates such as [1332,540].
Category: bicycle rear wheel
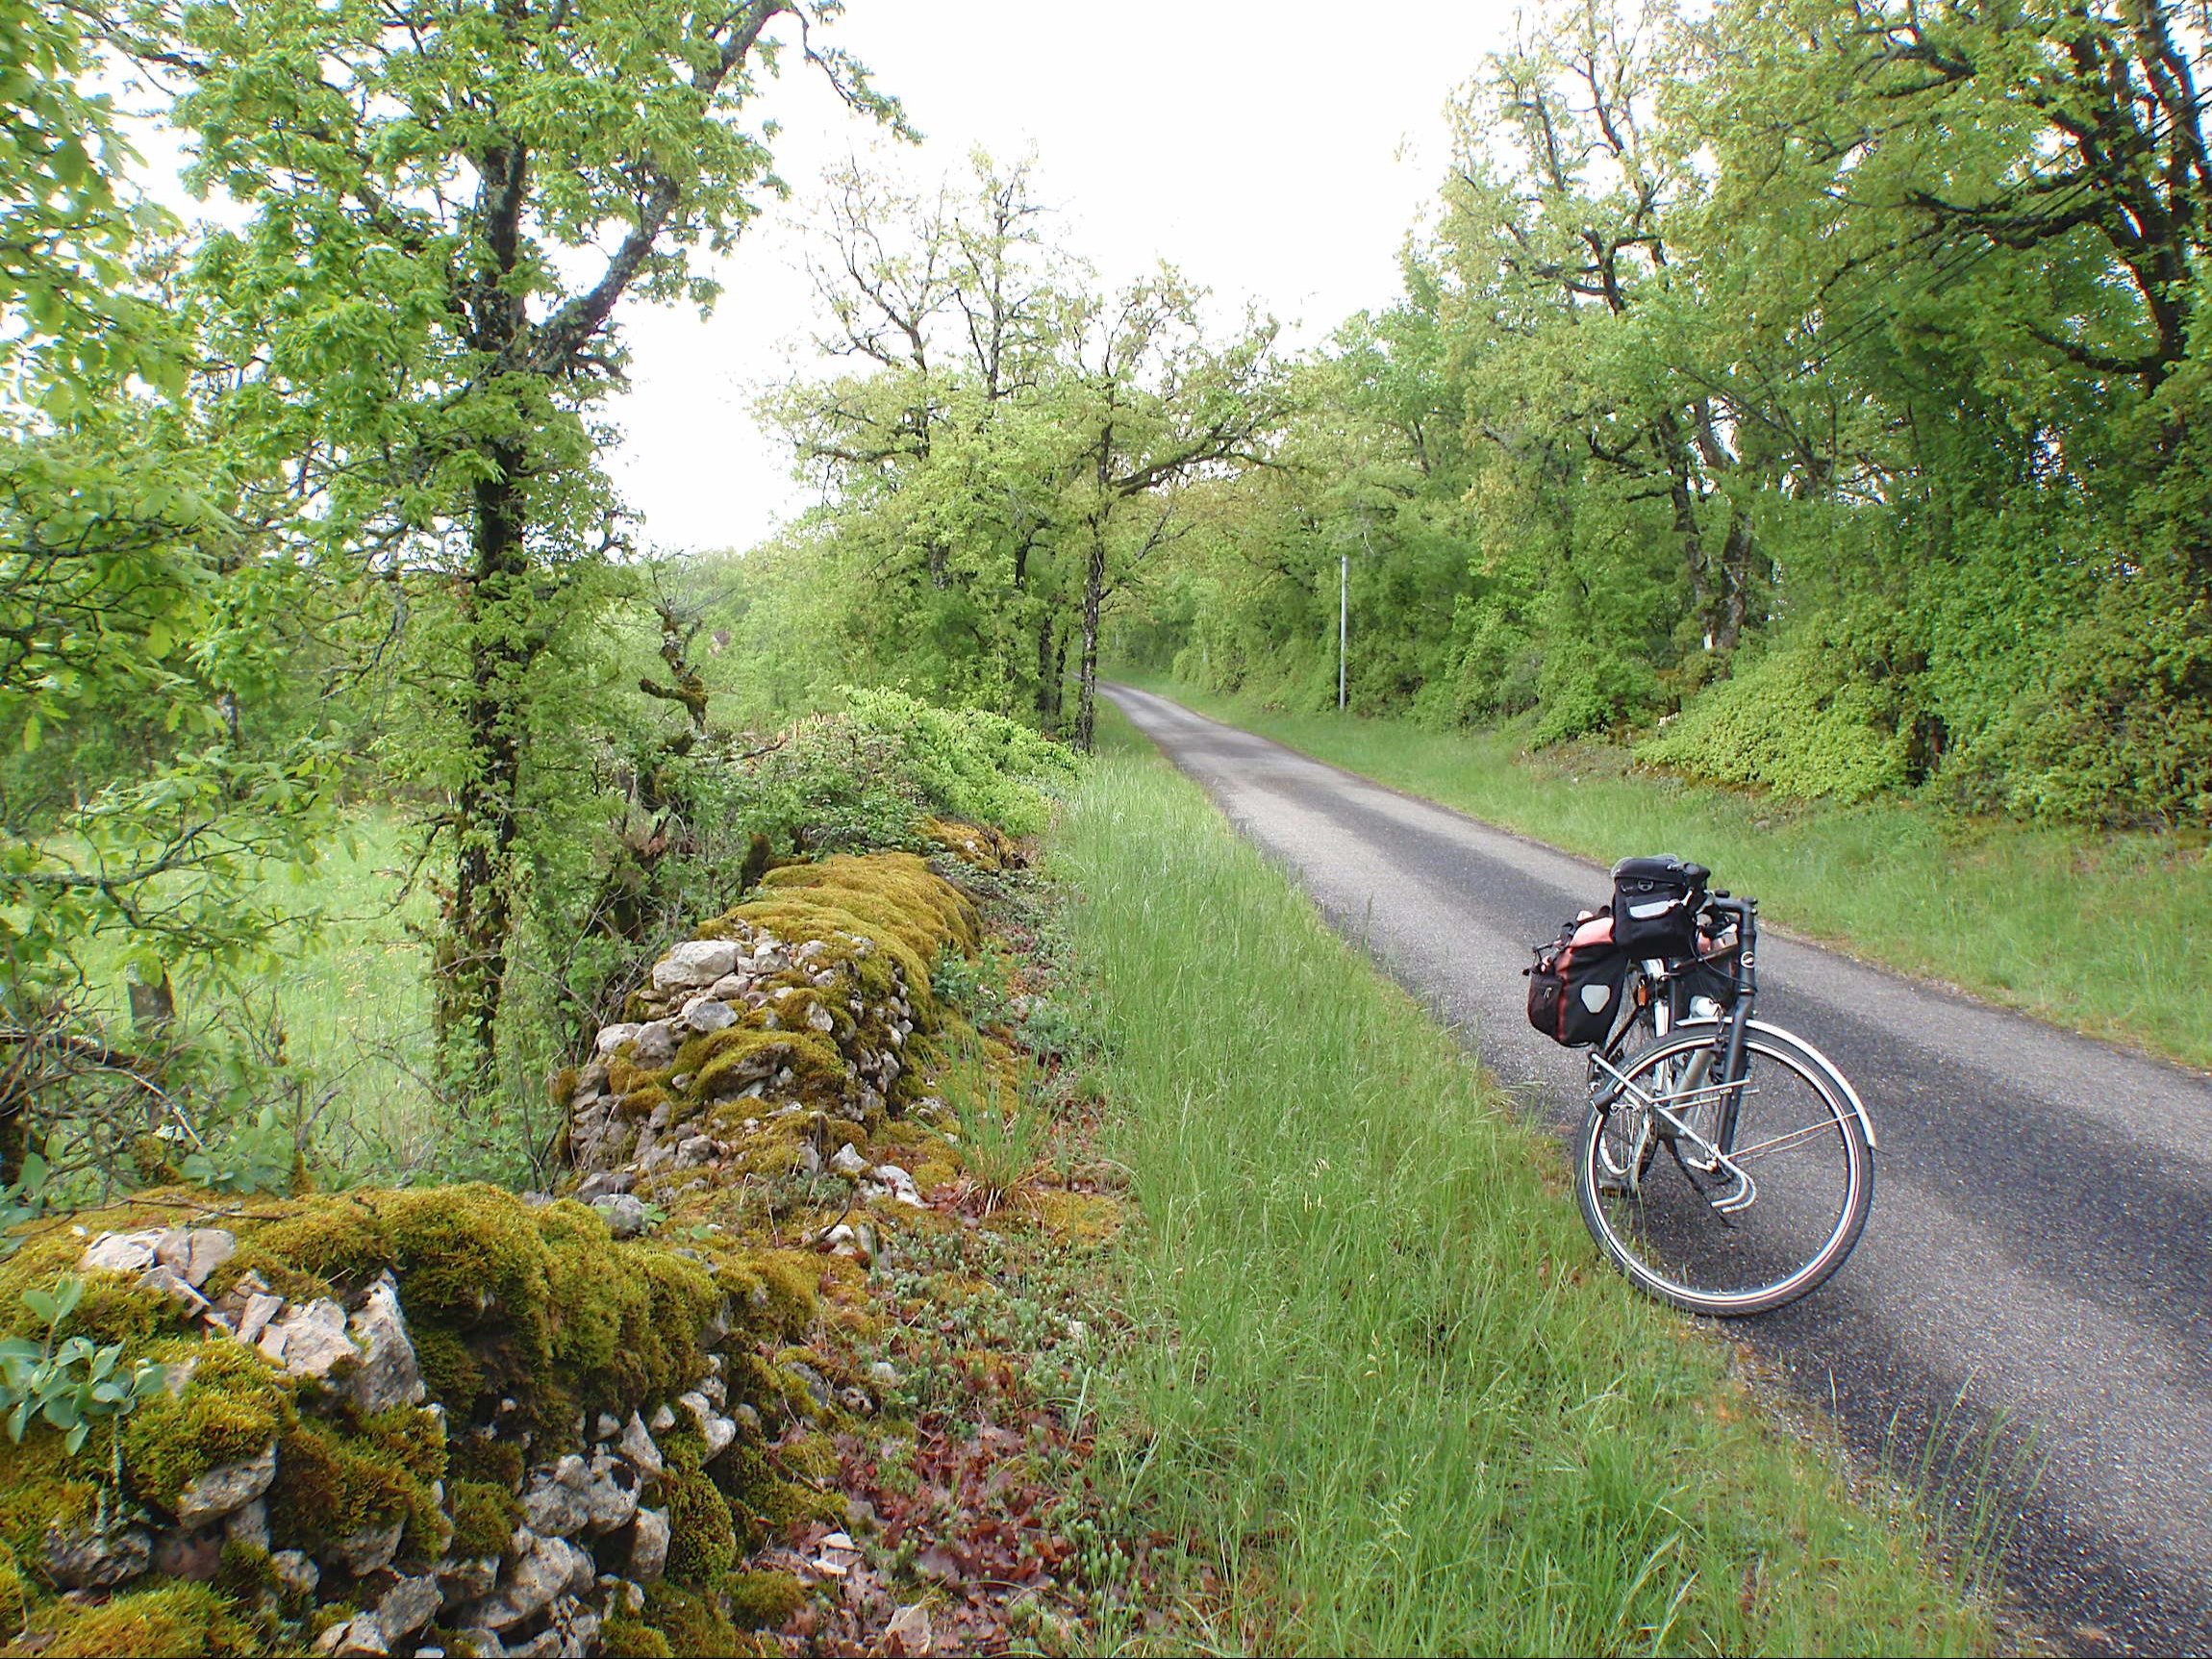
[1730,1224]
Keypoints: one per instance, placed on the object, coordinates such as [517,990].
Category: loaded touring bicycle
[1724,1164]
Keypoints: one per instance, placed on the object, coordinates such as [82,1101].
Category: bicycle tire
[1674,1241]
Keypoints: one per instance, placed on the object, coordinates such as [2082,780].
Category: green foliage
[67,1383]
[1796,721]
[1794,324]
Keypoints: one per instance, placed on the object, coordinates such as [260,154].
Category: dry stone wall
[463,1420]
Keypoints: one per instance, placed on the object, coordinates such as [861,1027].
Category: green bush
[1792,721]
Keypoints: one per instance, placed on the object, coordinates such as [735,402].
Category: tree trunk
[1094,595]
[497,621]
[1048,682]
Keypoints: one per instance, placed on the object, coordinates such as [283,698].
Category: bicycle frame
[1670,1007]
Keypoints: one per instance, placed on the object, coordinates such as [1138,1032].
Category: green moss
[450,1370]
[409,1438]
[621,1638]
[702,1540]
[629,1312]
[691,1624]
[812,1455]
[485,1515]
[234,1404]
[341,1241]
[775,1287]
[40,1485]
[177,1620]
[496,1462]
[331,1485]
[15,1598]
[894,892]
[640,1102]
[761,1600]
[741,1056]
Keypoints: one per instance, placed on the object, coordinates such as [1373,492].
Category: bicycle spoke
[1694,1228]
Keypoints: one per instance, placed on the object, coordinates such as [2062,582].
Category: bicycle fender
[1851,1094]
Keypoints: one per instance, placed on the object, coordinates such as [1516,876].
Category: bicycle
[1726,1165]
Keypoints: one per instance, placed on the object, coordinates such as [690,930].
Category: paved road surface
[2040,1241]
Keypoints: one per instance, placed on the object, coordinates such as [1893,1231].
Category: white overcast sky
[1278,152]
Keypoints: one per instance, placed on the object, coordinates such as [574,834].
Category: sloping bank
[1391,1394]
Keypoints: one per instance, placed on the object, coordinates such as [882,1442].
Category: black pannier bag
[1655,905]
[1575,989]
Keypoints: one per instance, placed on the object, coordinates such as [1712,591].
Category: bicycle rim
[1726,1230]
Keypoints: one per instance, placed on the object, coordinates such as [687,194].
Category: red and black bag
[1575,989]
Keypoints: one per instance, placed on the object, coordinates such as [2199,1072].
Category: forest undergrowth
[2094,930]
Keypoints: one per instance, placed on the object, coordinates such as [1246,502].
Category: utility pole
[1344,618]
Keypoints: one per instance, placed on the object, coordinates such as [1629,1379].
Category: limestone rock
[611,1497]
[248,1526]
[540,1576]
[389,1374]
[255,1316]
[360,1635]
[613,1037]
[89,1560]
[709,1014]
[554,1506]
[468,1579]
[369,1550]
[650,1545]
[407,1606]
[697,961]
[195,1252]
[625,1214]
[603,1184]
[121,1252]
[890,1181]
[656,1041]
[636,1444]
[309,1341]
[169,1282]
[297,1572]
[227,1487]
[663,1419]
[719,1429]
[847,1162]
[197,1555]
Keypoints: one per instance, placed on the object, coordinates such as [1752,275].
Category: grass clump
[1395,1402]
[2093,930]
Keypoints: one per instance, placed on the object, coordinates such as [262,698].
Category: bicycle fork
[1728,1096]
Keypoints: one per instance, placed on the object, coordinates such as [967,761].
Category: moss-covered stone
[702,1539]
[174,1619]
[690,1622]
[332,1485]
[233,1406]
[761,1600]
[624,1637]
[485,1515]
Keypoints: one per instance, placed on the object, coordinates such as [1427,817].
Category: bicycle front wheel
[1721,1217]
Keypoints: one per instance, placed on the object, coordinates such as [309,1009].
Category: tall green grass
[1390,1390]
[343,1001]
[2098,932]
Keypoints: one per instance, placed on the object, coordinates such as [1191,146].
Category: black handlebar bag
[1655,906]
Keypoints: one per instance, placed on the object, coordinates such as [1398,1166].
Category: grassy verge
[2094,932]
[1396,1404]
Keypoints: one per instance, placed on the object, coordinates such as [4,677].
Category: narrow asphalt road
[2039,1258]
